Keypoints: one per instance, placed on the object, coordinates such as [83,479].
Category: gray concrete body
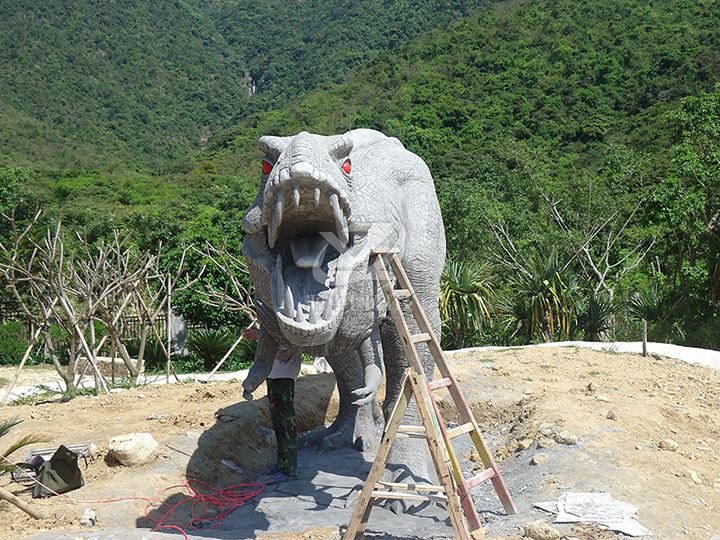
[323,205]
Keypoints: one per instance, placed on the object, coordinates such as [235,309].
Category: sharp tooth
[314,312]
[299,314]
[316,196]
[279,282]
[289,308]
[327,312]
[296,195]
[340,223]
[342,231]
[272,230]
[279,205]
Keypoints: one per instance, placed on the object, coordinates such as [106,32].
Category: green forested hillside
[566,138]
[293,47]
[95,82]
[559,129]
[140,84]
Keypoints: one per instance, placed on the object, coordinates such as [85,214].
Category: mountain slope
[137,81]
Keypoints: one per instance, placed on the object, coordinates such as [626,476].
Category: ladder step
[460,430]
[420,338]
[415,487]
[487,474]
[440,383]
[410,496]
[384,251]
[421,429]
[410,435]
[402,293]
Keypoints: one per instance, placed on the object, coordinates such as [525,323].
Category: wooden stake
[169,319]
[644,338]
[12,499]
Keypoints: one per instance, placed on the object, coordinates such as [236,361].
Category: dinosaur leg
[355,424]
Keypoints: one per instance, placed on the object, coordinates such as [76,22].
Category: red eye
[347,167]
[267,167]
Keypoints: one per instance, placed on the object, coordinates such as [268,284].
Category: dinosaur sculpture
[323,204]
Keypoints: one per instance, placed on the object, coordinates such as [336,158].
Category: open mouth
[315,247]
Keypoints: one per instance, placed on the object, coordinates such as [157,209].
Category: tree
[696,131]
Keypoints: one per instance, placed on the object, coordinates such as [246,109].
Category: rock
[693,475]
[538,459]
[92,451]
[546,429]
[668,444]
[89,518]
[524,444]
[545,442]
[602,398]
[478,534]
[133,449]
[565,437]
[611,415]
[539,530]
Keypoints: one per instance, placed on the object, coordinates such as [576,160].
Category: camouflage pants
[281,397]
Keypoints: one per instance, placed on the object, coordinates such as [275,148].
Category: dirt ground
[619,406]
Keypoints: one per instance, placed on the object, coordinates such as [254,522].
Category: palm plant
[5,427]
[465,295]
[545,297]
[649,304]
[595,316]
[210,345]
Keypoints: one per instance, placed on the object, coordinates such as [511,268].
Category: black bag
[60,473]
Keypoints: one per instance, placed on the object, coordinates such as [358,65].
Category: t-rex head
[302,244]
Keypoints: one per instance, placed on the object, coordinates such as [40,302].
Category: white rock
[539,530]
[539,459]
[565,437]
[133,449]
[668,444]
[524,444]
[693,475]
[544,442]
[89,518]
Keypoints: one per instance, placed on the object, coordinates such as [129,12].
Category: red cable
[227,499]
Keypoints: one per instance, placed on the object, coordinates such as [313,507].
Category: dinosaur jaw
[309,282]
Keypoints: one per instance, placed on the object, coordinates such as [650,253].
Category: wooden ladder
[454,489]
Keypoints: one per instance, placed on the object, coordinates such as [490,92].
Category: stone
[693,475]
[92,451]
[545,442]
[565,437]
[611,415]
[133,449]
[539,530]
[524,444]
[478,534]
[538,459]
[89,518]
[546,429]
[668,444]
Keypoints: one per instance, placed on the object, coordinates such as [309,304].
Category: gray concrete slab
[325,494]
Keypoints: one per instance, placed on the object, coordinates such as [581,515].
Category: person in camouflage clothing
[281,399]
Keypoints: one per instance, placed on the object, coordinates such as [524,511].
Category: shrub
[210,346]
[12,343]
